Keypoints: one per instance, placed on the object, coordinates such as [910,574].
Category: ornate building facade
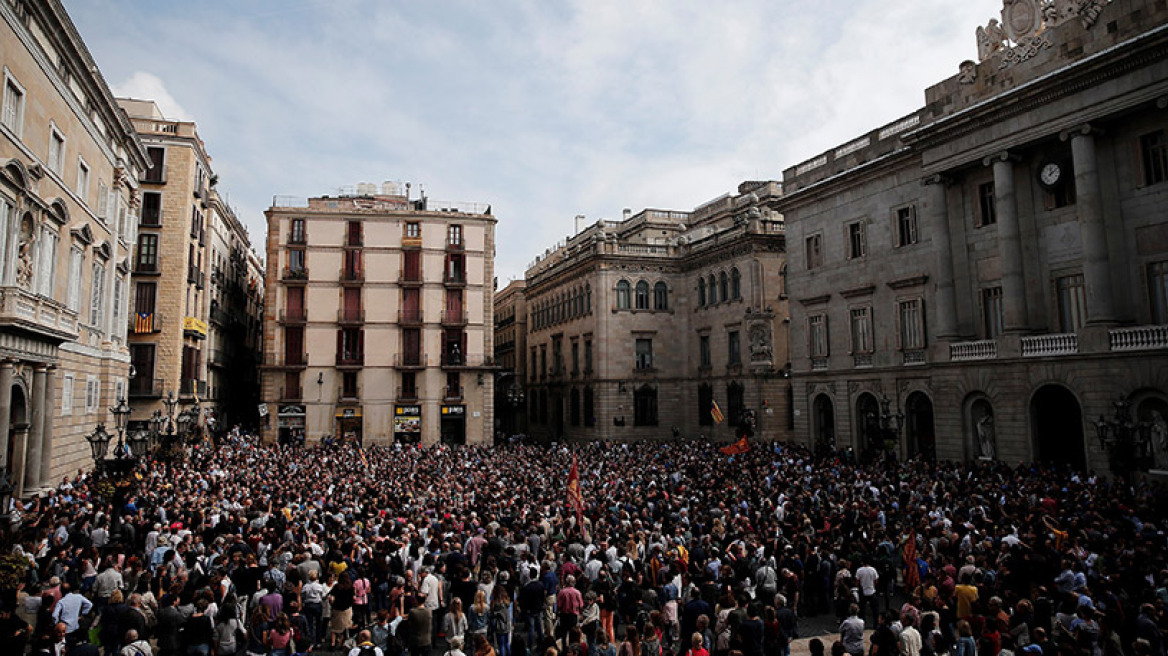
[636,327]
[991,271]
[69,168]
[378,319]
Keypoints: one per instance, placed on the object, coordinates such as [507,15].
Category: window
[156,174]
[294,345]
[1154,157]
[67,395]
[906,226]
[660,296]
[147,253]
[83,180]
[296,261]
[46,270]
[151,208]
[1158,291]
[712,290]
[642,295]
[735,403]
[645,406]
[103,196]
[409,385]
[92,394]
[622,295]
[588,356]
[911,324]
[56,151]
[705,404]
[813,247]
[857,240]
[76,261]
[724,287]
[701,292]
[817,335]
[862,338]
[991,310]
[142,359]
[735,284]
[13,113]
[97,295]
[1072,302]
[987,208]
[349,384]
[353,234]
[413,230]
[574,407]
[575,358]
[734,354]
[296,232]
[589,407]
[644,348]
[119,306]
[704,351]
[1064,194]
[454,235]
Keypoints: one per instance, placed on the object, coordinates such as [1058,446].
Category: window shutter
[900,325]
[361,343]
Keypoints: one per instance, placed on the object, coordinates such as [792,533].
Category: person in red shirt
[695,646]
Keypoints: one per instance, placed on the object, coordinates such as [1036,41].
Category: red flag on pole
[741,446]
[912,573]
[575,496]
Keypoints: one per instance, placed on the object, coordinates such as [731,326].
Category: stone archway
[1056,425]
[919,433]
[823,424]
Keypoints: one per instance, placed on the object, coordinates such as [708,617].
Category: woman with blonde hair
[454,625]
[478,614]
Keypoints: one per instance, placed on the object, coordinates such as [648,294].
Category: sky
[544,109]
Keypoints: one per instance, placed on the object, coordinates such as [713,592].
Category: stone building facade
[168,327]
[636,327]
[511,358]
[992,270]
[69,168]
[378,319]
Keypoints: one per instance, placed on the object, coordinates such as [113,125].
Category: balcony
[144,323]
[350,359]
[455,245]
[411,242]
[189,387]
[290,394]
[295,360]
[350,317]
[984,349]
[352,274]
[452,393]
[473,361]
[410,360]
[294,274]
[147,268]
[1041,346]
[218,358]
[23,309]
[819,364]
[347,395]
[912,357]
[1139,338]
[293,315]
[145,388]
[297,239]
[219,315]
[410,278]
[454,317]
[862,360]
[454,278]
[407,393]
[409,316]
[354,241]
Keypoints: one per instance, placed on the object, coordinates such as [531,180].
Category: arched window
[724,288]
[712,290]
[735,284]
[660,296]
[701,292]
[622,295]
[588,299]
[642,295]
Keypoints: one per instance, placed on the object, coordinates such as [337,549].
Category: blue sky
[544,110]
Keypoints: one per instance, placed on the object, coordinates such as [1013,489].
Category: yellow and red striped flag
[716,412]
[144,322]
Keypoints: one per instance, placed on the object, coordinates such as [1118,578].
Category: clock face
[1050,174]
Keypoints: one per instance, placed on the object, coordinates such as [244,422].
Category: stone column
[47,429]
[936,204]
[6,370]
[32,462]
[1092,231]
[1009,243]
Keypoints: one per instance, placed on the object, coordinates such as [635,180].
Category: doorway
[1056,422]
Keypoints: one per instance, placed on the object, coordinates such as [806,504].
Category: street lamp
[890,425]
[1126,441]
[99,441]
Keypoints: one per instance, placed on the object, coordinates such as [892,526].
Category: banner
[741,446]
[716,413]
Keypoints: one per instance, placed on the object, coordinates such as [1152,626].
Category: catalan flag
[716,413]
[741,446]
[144,322]
[576,497]
[361,455]
[912,570]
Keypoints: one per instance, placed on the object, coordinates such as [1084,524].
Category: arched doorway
[1056,422]
[869,437]
[823,424]
[1153,409]
[919,434]
[17,417]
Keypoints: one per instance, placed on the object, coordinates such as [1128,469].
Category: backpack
[368,650]
[499,621]
[651,647]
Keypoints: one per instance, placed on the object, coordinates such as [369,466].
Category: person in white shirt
[867,576]
[910,638]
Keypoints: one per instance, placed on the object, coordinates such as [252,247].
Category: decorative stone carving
[761,350]
[967,71]
[1089,11]
[1021,19]
[982,416]
[1028,47]
[990,39]
[24,256]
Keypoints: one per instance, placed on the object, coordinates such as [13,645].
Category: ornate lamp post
[115,476]
[164,427]
[890,425]
[1126,441]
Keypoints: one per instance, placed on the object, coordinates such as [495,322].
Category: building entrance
[1056,423]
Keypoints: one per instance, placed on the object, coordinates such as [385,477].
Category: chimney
[627,213]
[580,221]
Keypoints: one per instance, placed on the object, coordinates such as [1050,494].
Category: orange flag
[741,446]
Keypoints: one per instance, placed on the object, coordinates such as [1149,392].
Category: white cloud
[144,86]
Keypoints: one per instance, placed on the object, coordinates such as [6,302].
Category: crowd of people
[677,550]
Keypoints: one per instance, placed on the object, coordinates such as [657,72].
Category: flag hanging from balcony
[144,322]
[716,413]
[741,446]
